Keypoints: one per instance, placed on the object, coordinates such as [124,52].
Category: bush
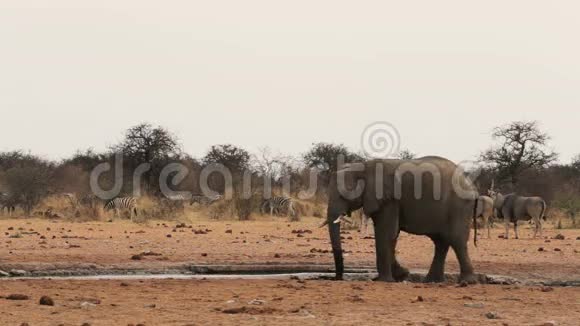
[29,185]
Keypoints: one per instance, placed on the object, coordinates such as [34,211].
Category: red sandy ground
[40,244]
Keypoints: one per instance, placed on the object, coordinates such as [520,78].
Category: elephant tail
[475,221]
[544,208]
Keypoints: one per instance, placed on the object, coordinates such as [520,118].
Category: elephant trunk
[334,230]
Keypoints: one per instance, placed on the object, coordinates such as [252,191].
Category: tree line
[520,160]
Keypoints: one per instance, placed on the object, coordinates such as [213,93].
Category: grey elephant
[427,196]
[513,208]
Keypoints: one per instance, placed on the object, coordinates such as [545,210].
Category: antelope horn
[493,184]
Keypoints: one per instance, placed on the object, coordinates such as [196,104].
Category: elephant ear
[379,187]
[349,183]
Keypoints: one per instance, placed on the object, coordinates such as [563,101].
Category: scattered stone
[418,299]
[169,236]
[277,256]
[90,300]
[474,305]
[86,324]
[560,237]
[124,284]
[229,231]
[4,274]
[463,284]
[557,250]
[151,306]
[356,299]
[541,250]
[150,253]
[87,305]
[46,301]
[18,273]
[136,257]
[25,324]
[547,289]
[250,311]
[17,297]
[492,315]
[204,255]
[550,323]
[257,302]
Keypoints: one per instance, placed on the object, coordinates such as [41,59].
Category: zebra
[7,202]
[122,203]
[174,202]
[485,209]
[205,200]
[278,204]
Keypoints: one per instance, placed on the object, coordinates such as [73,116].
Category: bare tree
[273,164]
[27,178]
[232,157]
[406,154]
[522,146]
[576,162]
[145,143]
[325,157]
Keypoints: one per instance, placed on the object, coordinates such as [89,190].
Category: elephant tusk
[343,219]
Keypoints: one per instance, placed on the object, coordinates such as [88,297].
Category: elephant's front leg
[386,225]
[400,273]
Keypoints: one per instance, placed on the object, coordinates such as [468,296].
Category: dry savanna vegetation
[52,225]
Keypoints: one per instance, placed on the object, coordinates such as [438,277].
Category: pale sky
[284,74]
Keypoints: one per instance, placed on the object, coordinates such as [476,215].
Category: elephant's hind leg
[467,272]
[437,270]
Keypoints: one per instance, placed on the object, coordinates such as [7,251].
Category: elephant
[428,196]
[7,202]
[513,208]
[485,209]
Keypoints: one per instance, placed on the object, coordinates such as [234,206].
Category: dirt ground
[236,302]
[34,244]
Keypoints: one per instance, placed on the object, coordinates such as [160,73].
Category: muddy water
[254,272]
[301,276]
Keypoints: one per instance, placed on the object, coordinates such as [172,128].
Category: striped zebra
[122,203]
[205,200]
[178,197]
[277,205]
[174,203]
